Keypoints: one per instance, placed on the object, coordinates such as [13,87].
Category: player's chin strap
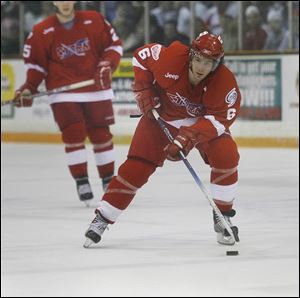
[220,218]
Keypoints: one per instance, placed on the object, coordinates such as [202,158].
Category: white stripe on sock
[223,192]
[103,158]
[108,211]
[76,157]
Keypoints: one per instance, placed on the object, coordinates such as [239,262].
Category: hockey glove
[184,141]
[146,98]
[23,96]
[103,75]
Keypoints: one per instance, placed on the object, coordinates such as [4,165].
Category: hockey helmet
[208,45]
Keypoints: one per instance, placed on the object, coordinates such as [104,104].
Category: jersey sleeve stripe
[218,125]
[36,67]
[137,64]
[117,49]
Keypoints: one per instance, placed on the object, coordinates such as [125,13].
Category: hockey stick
[56,90]
[136,115]
[220,218]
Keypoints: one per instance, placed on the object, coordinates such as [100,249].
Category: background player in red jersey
[69,47]
[198,98]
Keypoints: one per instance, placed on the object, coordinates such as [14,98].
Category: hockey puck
[232,252]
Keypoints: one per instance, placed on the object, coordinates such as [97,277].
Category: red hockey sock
[132,175]
[223,205]
[101,138]
[73,137]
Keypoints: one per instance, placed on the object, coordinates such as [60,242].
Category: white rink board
[38,119]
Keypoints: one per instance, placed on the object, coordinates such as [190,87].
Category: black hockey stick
[136,116]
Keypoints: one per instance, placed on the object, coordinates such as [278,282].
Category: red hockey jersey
[64,56]
[210,107]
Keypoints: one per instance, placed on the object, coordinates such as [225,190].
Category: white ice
[162,245]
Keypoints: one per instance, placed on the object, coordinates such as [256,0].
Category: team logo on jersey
[193,109]
[231,97]
[78,48]
[171,76]
[155,51]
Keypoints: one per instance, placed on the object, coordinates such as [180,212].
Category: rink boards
[269,113]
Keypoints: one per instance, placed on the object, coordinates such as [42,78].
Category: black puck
[232,252]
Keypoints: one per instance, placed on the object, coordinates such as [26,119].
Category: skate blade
[225,240]
[88,243]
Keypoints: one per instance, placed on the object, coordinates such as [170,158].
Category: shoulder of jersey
[87,15]
[45,24]
[175,56]
[175,50]
[178,48]
[224,72]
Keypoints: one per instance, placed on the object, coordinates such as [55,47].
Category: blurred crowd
[243,25]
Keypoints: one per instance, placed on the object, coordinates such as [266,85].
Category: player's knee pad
[136,171]
[99,135]
[74,133]
[223,153]
[225,171]
[224,159]
[132,175]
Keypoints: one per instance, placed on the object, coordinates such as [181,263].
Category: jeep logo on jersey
[78,48]
[231,97]
[192,109]
[171,76]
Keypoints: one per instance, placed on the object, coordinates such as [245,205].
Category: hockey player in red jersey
[198,98]
[69,47]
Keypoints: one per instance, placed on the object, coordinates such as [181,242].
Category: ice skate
[106,181]
[223,237]
[95,230]
[84,190]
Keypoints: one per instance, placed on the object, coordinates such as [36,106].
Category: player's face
[201,67]
[65,8]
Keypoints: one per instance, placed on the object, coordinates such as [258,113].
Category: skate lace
[219,226]
[99,225]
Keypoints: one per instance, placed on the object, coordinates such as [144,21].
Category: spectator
[10,28]
[171,34]
[278,36]
[126,30]
[110,8]
[9,36]
[35,13]
[295,25]
[156,34]
[230,32]
[128,25]
[184,17]
[164,12]
[255,36]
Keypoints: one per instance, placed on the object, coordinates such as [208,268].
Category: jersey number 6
[231,113]
[144,53]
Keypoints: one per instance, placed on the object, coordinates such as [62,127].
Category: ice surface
[162,245]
